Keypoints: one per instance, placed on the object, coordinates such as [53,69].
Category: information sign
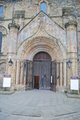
[74,84]
[7,81]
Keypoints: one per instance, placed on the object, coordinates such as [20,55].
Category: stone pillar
[18,73]
[21,22]
[65,73]
[79,54]
[12,49]
[21,75]
[58,75]
[71,29]
[12,39]
[61,74]
[25,73]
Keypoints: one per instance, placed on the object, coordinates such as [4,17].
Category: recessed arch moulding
[29,48]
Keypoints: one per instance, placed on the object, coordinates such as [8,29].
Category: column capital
[13,25]
[74,23]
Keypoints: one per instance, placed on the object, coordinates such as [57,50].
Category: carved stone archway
[30,47]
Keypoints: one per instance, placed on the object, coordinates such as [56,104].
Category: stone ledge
[73,95]
[3,92]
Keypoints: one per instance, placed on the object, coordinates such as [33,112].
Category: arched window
[0,41]
[1,10]
[43,6]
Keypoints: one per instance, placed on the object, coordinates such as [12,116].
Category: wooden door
[42,68]
[36,82]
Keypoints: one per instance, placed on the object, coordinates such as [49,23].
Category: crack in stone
[29,115]
[66,114]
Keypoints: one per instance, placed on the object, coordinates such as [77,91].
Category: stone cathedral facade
[39,43]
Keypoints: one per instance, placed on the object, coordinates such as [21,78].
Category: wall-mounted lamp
[69,63]
[78,59]
[10,62]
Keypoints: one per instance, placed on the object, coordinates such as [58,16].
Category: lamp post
[69,63]
[10,62]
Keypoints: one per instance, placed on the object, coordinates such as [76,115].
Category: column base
[61,88]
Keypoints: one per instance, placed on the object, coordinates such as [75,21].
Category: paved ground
[39,105]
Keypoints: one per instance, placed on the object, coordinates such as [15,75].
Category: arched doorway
[42,71]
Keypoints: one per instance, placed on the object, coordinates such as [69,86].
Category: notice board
[74,84]
[7,81]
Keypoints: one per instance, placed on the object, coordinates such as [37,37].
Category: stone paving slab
[39,105]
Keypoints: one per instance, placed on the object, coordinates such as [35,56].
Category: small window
[43,7]
[1,10]
[0,41]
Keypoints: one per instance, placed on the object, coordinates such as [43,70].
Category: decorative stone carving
[42,23]
[3,30]
[68,11]
[13,25]
[74,23]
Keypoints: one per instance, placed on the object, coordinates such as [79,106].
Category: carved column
[61,74]
[25,73]
[12,49]
[64,68]
[71,29]
[12,39]
[21,75]
[58,74]
[18,73]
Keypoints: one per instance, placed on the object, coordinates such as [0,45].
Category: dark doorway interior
[36,82]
